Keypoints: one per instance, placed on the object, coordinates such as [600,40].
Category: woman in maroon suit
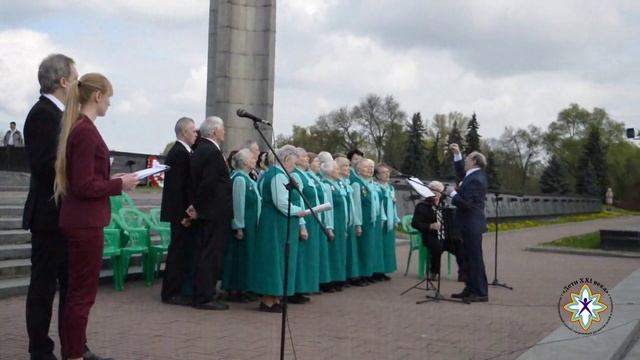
[83,187]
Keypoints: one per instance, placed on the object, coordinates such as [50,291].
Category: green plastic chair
[117,202]
[136,241]
[112,249]
[415,243]
[129,201]
[163,229]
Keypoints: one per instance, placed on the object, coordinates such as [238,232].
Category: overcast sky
[512,62]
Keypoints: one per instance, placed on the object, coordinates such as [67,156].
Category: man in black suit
[48,246]
[469,200]
[175,201]
[212,208]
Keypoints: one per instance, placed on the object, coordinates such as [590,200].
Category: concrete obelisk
[240,70]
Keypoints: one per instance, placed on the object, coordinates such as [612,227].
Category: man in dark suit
[48,246]
[175,201]
[469,199]
[212,208]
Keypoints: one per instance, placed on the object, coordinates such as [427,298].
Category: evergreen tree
[492,173]
[416,159]
[433,159]
[554,179]
[472,138]
[592,167]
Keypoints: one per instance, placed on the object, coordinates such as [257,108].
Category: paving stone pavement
[373,322]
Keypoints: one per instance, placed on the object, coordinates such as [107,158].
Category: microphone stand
[497,199]
[291,186]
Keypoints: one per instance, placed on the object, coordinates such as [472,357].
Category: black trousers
[211,240]
[48,271]
[435,252]
[177,260]
[477,275]
[455,247]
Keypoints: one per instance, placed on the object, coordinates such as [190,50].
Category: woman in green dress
[268,257]
[352,263]
[326,218]
[389,226]
[337,247]
[308,266]
[247,203]
[366,203]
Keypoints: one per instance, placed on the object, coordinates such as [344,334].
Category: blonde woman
[82,187]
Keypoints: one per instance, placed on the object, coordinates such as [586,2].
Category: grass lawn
[586,241]
[523,224]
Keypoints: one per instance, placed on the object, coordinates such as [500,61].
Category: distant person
[13,137]
[48,246]
[212,209]
[82,188]
[175,201]
[609,198]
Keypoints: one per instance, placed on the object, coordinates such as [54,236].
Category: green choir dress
[307,271]
[353,265]
[268,257]
[338,247]
[247,204]
[380,218]
[389,228]
[367,214]
[323,245]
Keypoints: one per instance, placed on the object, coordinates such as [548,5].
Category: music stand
[497,199]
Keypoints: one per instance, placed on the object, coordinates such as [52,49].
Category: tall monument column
[240,71]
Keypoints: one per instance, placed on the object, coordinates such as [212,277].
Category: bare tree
[524,146]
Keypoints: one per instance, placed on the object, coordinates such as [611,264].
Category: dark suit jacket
[211,184]
[470,199]
[86,203]
[175,193]
[423,217]
[41,131]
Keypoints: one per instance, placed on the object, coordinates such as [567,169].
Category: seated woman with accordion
[427,219]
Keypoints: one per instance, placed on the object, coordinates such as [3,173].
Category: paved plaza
[373,322]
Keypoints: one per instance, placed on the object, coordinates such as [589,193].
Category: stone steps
[10,223]
[15,251]
[13,237]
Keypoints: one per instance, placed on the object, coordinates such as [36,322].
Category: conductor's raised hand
[129,181]
[455,148]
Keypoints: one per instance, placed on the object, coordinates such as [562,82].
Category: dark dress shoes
[464,293]
[475,298]
[212,305]
[88,355]
[178,300]
[275,308]
[298,299]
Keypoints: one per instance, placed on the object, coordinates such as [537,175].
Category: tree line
[581,152]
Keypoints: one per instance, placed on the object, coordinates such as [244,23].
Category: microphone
[245,114]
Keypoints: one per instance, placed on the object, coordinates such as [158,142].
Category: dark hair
[230,159]
[12,123]
[354,152]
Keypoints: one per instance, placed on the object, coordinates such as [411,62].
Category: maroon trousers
[85,259]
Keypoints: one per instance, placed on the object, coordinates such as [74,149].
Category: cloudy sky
[512,62]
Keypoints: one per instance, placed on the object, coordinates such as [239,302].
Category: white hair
[301,152]
[327,167]
[324,157]
[182,124]
[240,159]
[286,151]
[210,125]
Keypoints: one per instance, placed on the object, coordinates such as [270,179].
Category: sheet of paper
[420,187]
[318,209]
[155,169]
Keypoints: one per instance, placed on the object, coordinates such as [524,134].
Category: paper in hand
[420,187]
[318,209]
[156,168]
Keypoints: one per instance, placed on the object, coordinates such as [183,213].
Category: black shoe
[386,278]
[88,355]
[275,308]
[337,287]
[48,356]
[356,282]
[212,305]
[475,298]
[178,300]
[297,299]
[464,293]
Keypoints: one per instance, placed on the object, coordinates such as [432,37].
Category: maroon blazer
[86,203]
